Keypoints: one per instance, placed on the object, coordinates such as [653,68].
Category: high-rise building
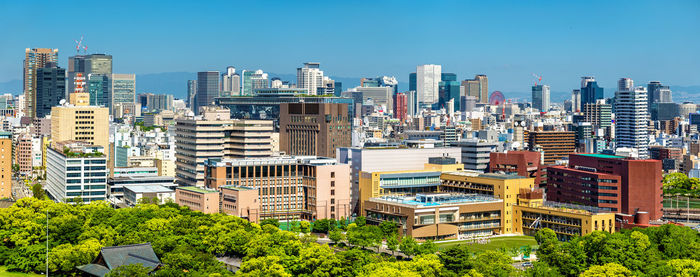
[123,90]
[477,87]
[622,185]
[400,106]
[91,64]
[449,89]
[230,82]
[631,117]
[5,164]
[207,89]
[590,91]
[657,93]
[310,77]
[252,80]
[98,86]
[428,78]
[314,129]
[191,92]
[35,58]
[215,135]
[540,97]
[598,114]
[50,88]
[80,121]
[556,145]
[576,105]
[383,81]
[156,102]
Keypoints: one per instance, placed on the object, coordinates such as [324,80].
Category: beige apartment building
[215,135]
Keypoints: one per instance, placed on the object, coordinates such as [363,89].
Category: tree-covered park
[187,243]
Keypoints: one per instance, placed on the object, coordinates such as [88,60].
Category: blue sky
[507,40]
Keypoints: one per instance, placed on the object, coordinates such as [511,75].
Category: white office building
[79,170]
[310,77]
[631,117]
[428,77]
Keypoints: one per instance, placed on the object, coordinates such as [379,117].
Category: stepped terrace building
[438,216]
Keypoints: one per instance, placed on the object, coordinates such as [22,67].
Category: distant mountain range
[175,83]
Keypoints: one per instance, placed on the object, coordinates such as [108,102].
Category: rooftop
[232,187]
[472,173]
[437,199]
[310,160]
[602,156]
[147,189]
[198,190]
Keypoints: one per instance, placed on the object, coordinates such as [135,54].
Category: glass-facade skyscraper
[123,90]
[590,91]
[50,88]
[98,88]
[207,89]
[89,64]
[540,97]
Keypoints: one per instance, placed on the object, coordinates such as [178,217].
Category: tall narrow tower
[35,58]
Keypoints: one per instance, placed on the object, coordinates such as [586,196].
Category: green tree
[388,228]
[304,227]
[675,180]
[131,270]
[457,259]
[542,269]
[270,221]
[321,226]
[365,236]
[392,243]
[360,221]
[408,246]
[494,263]
[607,270]
[38,191]
[677,267]
[335,236]
[427,247]
[263,266]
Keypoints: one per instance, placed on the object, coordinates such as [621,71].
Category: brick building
[523,163]
[627,185]
[556,145]
[314,129]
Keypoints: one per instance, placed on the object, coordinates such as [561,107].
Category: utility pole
[47,241]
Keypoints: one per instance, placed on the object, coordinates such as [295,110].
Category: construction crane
[538,77]
[78,45]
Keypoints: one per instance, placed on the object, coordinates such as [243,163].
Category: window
[332,192]
[332,174]
[332,184]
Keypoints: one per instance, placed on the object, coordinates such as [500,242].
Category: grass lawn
[671,202]
[4,273]
[495,244]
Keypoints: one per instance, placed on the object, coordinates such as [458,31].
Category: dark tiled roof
[115,256]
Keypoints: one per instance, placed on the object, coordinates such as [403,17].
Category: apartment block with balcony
[555,145]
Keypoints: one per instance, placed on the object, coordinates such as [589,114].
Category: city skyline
[505,43]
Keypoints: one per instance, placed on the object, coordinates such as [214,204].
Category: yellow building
[5,164]
[501,186]
[405,182]
[566,220]
[78,121]
[165,167]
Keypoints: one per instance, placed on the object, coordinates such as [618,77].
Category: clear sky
[507,40]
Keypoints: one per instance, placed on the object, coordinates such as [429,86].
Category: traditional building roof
[115,256]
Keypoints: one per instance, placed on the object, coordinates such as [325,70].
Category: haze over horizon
[645,41]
